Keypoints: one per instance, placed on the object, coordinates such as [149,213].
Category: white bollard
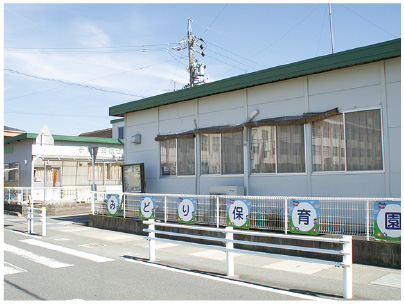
[43,221]
[32,219]
[230,255]
[347,261]
[152,243]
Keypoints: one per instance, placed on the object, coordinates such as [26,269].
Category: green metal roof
[100,140]
[362,55]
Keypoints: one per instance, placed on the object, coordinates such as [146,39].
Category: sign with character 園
[239,213]
[113,204]
[387,220]
[186,210]
[146,208]
[303,216]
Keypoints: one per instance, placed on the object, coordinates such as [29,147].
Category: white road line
[244,284]
[77,253]
[34,257]
[11,269]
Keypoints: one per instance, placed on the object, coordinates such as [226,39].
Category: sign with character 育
[303,216]
[387,220]
[238,213]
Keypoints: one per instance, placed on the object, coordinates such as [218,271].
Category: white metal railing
[36,214]
[229,241]
[337,215]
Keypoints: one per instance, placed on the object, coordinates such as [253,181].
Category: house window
[278,149]
[331,141]
[360,146]
[11,172]
[177,156]
[121,134]
[222,153]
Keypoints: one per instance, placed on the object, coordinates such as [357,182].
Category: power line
[53,114]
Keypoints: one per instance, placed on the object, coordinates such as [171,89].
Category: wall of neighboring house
[375,86]
[19,152]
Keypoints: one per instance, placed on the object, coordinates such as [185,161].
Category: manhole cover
[93,245]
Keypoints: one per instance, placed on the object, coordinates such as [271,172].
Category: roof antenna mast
[332,33]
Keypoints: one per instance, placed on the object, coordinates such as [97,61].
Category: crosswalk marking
[34,257]
[11,269]
[81,254]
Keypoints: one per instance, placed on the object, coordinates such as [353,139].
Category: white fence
[229,241]
[53,194]
[338,215]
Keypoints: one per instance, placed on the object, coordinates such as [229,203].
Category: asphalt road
[75,261]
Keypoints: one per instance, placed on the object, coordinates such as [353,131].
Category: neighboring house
[106,133]
[118,128]
[10,132]
[327,126]
[61,160]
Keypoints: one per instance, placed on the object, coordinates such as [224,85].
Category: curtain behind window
[232,153]
[210,154]
[290,148]
[186,156]
[364,140]
[263,150]
[168,157]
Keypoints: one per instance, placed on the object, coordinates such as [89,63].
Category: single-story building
[326,126]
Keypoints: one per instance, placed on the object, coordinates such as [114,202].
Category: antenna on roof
[332,33]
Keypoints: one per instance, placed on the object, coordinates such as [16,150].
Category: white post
[347,261]
[286,216]
[43,221]
[230,255]
[92,202]
[152,243]
[28,220]
[32,218]
[165,209]
[217,212]
[368,221]
[124,200]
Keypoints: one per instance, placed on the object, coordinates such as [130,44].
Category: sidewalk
[369,282]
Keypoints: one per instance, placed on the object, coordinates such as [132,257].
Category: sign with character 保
[238,213]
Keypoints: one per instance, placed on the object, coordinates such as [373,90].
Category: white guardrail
[229,242]
[36,214]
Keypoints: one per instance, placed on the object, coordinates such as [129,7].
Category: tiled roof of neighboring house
[357,56]
[11,132]
[106,133]
[6,128]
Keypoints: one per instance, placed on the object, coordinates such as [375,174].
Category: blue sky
[66,64]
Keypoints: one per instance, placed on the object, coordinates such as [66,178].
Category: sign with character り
[146,208]
[113,204]
[303,216]
[238,213]
[387,220]
[186,210]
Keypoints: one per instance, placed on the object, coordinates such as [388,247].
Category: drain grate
[95,245]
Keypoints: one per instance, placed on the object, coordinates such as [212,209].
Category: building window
[121,134]
[278,149]
[263,145]
[177,156]
[360,146]
[222,153]
[364,133]
[327,140]
[11,172]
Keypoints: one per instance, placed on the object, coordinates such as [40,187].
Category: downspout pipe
[252,115]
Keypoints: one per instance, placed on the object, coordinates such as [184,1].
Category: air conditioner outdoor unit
[226,190]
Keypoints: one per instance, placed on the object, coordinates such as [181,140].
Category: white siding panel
[275,92]
[279,108]
[394,104]
[393,70]
[225,101]
[222,118]
[344,79]
[177,110]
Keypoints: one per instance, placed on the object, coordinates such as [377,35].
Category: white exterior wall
[115,127]
[360,87]
[22,151]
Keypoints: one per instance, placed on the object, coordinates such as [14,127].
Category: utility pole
[196,70]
